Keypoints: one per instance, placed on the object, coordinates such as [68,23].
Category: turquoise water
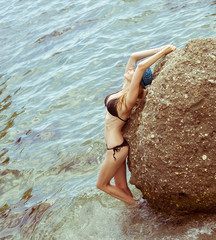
[58,60]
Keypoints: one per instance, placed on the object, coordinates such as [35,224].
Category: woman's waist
[112,130]
[113,137]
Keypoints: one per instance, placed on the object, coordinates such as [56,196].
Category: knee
[102,187]
[99,185]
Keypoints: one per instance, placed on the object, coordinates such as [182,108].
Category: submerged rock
[173,135]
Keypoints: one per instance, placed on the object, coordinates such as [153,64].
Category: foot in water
[141,201]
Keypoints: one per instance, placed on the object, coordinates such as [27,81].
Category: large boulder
[172,135]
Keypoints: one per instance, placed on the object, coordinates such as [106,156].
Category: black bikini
[112,109]
[118,148]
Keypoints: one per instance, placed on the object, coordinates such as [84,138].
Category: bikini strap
[115,149]
[122,119]
[118,148]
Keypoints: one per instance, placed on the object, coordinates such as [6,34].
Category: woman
[119,106]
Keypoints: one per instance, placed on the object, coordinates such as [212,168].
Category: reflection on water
[7,117]
[23,222]
[94,215]
[58,61]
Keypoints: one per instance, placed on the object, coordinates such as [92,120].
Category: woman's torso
[115,119]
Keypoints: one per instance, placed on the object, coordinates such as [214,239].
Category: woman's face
[129,74]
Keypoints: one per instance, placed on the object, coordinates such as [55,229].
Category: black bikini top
[112,107]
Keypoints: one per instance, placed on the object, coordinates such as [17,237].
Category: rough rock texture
[173,135]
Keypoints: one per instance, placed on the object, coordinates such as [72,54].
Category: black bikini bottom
[118,148]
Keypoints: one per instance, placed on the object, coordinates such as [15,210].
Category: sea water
[58,60]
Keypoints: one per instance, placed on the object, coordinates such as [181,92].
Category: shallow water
[59,59]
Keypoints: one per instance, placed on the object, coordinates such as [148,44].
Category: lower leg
[121,179]
[128,191]
[118,193]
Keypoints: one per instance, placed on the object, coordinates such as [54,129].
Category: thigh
[110,166]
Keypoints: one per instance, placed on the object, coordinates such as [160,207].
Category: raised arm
[141,67]
[137,56]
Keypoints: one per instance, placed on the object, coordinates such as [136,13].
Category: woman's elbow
[142,66]
[133,57]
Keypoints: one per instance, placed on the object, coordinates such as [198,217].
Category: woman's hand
[168,49]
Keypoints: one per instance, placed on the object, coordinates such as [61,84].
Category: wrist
[161,48]
[162,51]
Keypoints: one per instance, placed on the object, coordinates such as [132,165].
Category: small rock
[204,157]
